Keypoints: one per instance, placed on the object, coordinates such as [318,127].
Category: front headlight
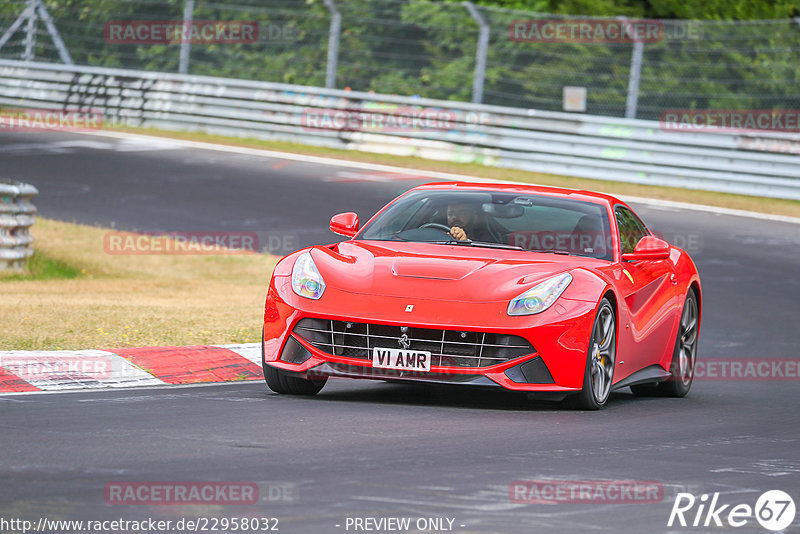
[306,280]
[540,297]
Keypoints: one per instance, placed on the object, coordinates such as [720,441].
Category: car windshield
[497,220]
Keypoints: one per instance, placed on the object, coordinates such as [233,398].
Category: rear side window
[631,229]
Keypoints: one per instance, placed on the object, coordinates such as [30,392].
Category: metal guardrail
[763,163]
[16,218]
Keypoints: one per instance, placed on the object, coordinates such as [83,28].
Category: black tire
[599,373]
[684,355]
[281,382]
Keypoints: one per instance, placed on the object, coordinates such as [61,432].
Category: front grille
[448,348]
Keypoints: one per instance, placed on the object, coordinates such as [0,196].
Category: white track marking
[55,147]
[251,351]
[349,176]
[75,369]
[180,143]
[145,145]
[161,386]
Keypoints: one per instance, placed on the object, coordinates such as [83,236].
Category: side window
[631,229]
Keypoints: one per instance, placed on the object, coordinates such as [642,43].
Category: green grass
[42,267]
[75,295]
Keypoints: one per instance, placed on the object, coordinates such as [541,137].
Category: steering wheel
[438,226]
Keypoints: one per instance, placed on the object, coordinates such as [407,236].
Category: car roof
[559,192]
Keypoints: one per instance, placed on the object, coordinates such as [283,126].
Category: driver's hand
[458,233]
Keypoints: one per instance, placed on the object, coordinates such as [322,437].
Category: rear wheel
[282,382]
[599,362]
[684,355]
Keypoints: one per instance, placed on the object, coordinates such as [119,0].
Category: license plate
[406,360]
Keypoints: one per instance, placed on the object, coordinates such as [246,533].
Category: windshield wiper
[560,252]
[435,242]
[454,241]
[484,244]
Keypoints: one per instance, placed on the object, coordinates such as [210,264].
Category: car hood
[433,271]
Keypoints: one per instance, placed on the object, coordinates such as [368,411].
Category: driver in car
[467,221]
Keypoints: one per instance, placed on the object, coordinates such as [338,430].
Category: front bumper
[556,362]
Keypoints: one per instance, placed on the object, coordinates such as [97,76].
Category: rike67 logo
[774,510]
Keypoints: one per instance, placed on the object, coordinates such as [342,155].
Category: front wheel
[599,362]
[281,382]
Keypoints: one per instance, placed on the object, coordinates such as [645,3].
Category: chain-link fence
[454,51]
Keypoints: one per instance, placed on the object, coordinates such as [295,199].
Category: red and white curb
[62,370]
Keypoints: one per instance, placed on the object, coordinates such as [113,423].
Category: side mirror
[345,224]
[648,248]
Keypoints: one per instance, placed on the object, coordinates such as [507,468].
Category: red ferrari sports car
[558,293]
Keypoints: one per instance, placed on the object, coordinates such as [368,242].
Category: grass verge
[42,267]
[76,296]
[742,202]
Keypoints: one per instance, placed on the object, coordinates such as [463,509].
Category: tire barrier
[16,218]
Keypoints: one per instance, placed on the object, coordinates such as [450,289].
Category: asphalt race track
[363,449]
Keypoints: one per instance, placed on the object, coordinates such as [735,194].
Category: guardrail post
[186,43]
[632,102]
[29,15]
[480,52]
[63,53]
[30,34]
[16,217]
[16,25]
[333,44]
